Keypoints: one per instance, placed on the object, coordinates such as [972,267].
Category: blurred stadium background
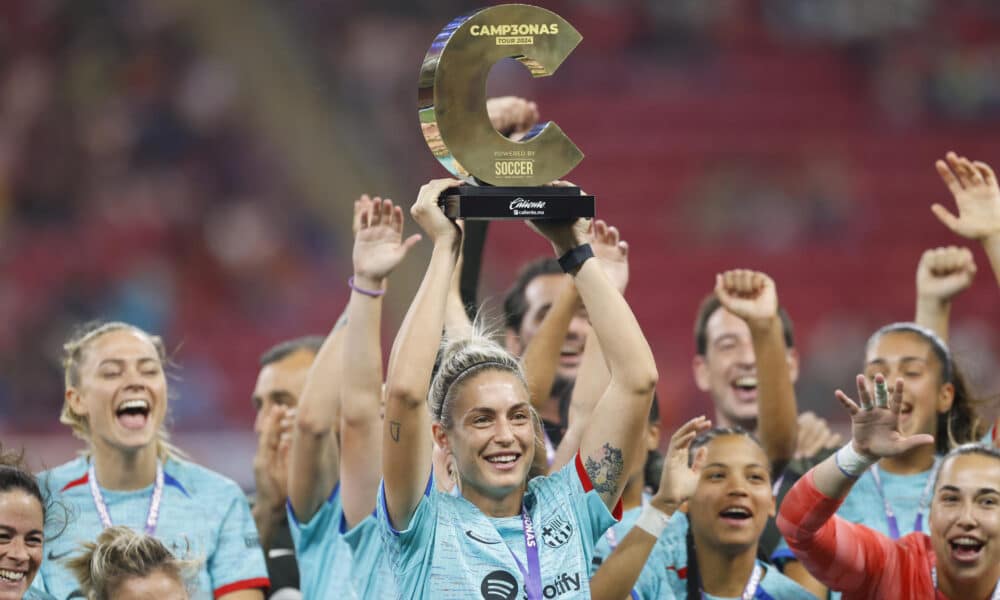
[190,167]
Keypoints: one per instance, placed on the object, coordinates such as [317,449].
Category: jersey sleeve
[411,547]
[238,561]
[591,513]
[329,517]
[844,556]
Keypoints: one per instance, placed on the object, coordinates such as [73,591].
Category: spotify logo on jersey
[499,585]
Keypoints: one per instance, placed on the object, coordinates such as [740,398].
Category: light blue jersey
[203,516]
[370,572]
[452,551]
[34,594]
[991,438]
[323,554]
[613,536]
[666,571]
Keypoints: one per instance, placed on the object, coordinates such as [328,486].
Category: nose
[578,328]
[17,550]
[966,516]
[503,432]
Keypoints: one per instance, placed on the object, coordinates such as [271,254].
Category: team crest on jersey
[556,532]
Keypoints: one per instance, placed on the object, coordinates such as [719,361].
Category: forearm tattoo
[394,430]
[605,473]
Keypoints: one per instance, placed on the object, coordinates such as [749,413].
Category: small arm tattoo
[394,430]
[605,473]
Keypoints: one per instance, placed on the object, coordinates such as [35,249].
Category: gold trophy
[504,179]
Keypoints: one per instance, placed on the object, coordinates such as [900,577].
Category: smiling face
[158,585]
[965,518]
[728,369]
[492,436]
[22,522]
[731,504]
[121,391]
[908,356]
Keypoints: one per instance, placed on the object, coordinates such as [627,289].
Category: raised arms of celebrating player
[607,448]
[378,249]
[406,440]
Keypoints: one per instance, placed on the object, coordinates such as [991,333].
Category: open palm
[875,422]
[977,196]
[680,473]
[612,252]
[379,245]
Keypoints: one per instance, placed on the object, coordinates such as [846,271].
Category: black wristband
[574,259]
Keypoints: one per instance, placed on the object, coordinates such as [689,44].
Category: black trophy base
[506,203]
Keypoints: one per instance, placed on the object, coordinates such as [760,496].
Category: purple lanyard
[533,574]
[154,502]
[996,590]
[890,517]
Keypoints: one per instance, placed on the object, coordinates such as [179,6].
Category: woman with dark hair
[23,512]
[711,551]
[957,559]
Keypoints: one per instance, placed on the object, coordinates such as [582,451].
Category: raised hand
[378,244]
[564,235]
[426,212]
[977,196]
[814,435]
[361,206]
[944,272]
[875,422]
[612,251]
[680,472]
[750,295]
[512,116]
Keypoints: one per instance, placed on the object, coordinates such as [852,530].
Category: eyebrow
[904,359]
[122,361]
[14,530]
[980,491]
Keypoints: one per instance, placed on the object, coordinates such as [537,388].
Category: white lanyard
[751,587]
[154,502]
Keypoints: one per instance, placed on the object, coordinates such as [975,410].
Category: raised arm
[977,196]
[618,574]
[314,463]
[593,376]
[753,297]
[378,249]
[820,539]
[406,438]
[607,448]
[942,274]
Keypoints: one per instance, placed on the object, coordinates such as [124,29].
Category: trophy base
[509,203]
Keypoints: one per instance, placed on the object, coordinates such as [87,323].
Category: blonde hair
[461,359]
[73,355]
[120,554]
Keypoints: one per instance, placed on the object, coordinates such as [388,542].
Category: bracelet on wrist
[363,291]
[573,259]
